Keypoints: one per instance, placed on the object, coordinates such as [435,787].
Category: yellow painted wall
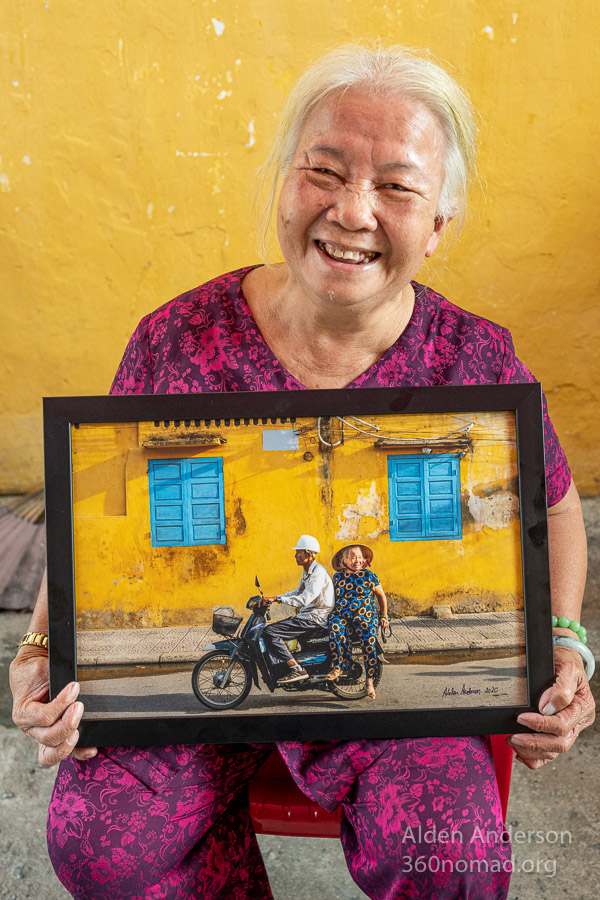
[339,494]
[129,137]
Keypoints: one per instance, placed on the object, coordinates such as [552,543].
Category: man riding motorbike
[315,597]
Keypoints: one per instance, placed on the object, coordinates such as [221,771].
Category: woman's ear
[439,226]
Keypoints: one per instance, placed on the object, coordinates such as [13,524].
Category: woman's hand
[566,709]
[52,724]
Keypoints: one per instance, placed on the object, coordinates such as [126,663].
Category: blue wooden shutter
[407,518]
[207,509]
[167,502]
[442,496]
[424,497]
[187,505]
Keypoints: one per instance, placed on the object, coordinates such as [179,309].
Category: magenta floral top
[207,340]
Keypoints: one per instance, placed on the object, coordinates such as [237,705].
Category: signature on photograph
[467,689]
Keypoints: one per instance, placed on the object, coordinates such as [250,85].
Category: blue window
[424,497]
[186,502]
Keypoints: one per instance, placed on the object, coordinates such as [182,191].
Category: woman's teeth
[357,256]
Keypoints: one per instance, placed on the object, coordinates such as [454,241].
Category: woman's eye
[394,187]
[323,171]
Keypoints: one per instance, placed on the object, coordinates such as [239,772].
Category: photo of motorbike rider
[355,613]
[315,597]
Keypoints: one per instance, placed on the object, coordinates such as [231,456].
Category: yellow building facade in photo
[435,497]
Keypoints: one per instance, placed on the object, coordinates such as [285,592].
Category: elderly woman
[356,587]
[373,155]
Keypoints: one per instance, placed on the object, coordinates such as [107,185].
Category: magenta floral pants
[421,819]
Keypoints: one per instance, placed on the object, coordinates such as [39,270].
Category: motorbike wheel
[206,681]
[353,685]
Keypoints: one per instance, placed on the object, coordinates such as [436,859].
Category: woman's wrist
[30,651]
[574,646]
[34,639]
[33,643]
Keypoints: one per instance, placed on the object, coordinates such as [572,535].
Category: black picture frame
[62,414]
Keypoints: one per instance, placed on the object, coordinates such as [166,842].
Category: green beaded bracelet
[564,622]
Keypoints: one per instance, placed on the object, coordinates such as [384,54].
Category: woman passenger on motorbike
[373,157]
[354,612]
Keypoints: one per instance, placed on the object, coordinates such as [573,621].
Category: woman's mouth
[353,257]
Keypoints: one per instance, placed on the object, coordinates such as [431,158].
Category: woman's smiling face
[354,560]
[357,210]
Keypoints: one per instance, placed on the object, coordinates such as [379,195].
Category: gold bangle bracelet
[34,639]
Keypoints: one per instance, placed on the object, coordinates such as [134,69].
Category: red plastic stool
[278,806]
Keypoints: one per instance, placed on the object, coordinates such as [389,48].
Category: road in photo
[142,691]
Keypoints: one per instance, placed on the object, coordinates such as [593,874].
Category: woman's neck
[322,347]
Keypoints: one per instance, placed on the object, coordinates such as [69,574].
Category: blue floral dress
[354,615]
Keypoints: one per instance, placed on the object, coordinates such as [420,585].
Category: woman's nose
[353,209]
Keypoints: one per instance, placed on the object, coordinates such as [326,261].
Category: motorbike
[223,677]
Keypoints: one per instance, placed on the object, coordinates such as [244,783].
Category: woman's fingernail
[548,710]
[71,740]
[73,691]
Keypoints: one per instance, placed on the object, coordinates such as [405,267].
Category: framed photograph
[176,526]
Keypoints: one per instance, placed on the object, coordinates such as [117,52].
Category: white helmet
[307,542]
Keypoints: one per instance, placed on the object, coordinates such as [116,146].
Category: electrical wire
[322,439]
[405,440]
[362,422]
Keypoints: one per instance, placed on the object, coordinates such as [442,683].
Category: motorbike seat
[318,633]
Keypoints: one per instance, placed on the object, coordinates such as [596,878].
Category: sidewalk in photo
[411,635]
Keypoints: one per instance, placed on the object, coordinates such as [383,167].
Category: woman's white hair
[378,69]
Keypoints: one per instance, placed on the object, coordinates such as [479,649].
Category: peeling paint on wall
[4,180]
[194,154]
[217,176]
[364,519]
[492,506]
